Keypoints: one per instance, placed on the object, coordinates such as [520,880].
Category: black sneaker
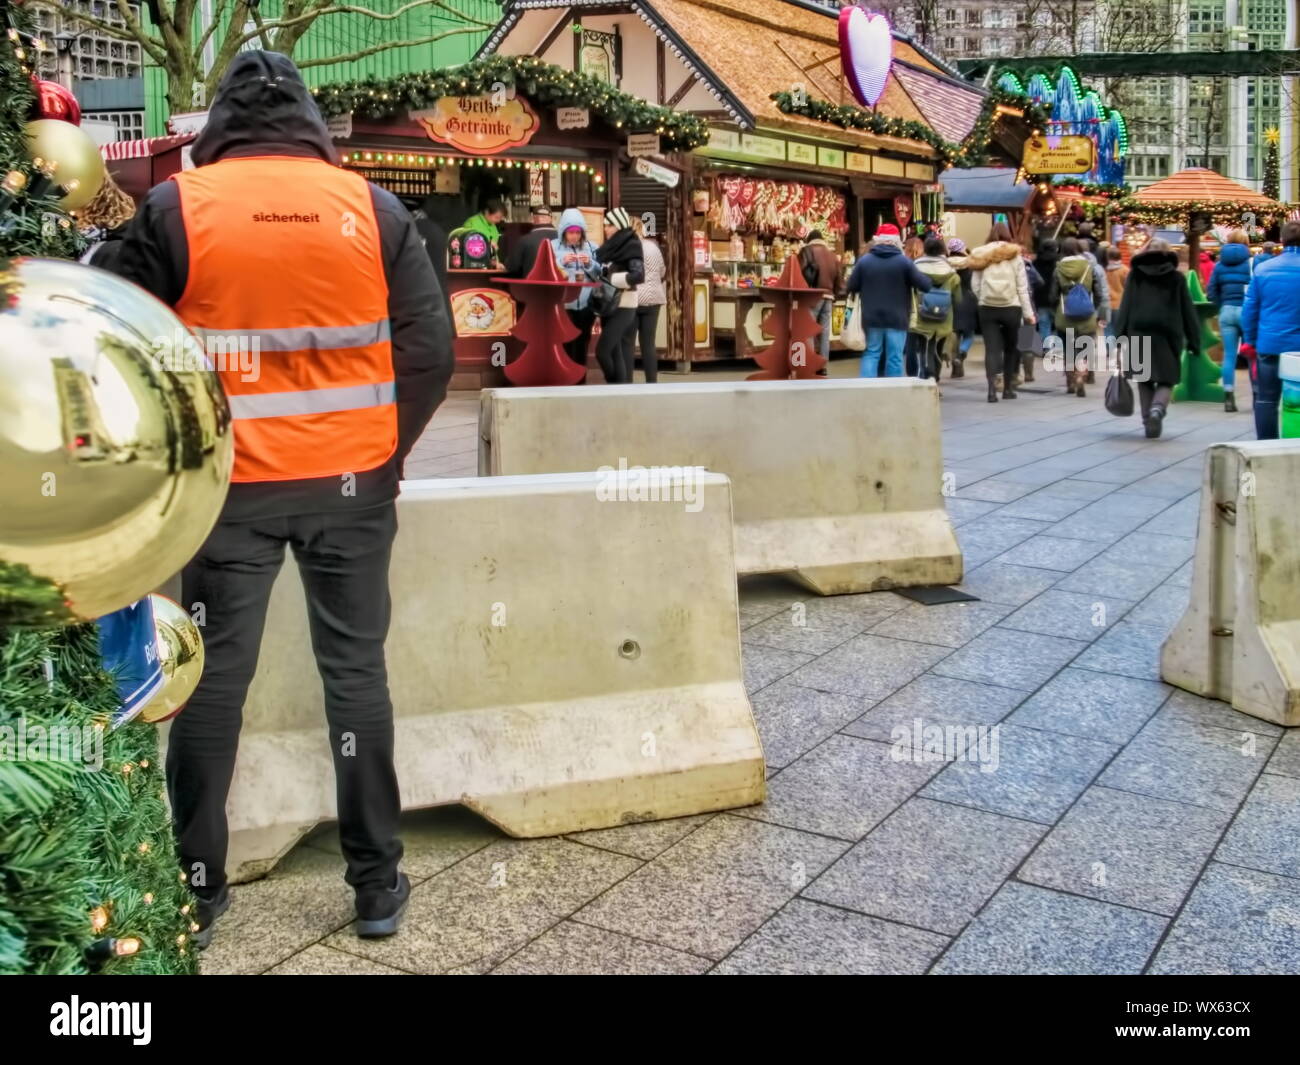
[379,912]
[206,911]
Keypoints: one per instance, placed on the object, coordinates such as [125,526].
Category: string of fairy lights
[416,160]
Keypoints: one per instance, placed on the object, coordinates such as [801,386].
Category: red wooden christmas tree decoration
[793,326]
[544,326]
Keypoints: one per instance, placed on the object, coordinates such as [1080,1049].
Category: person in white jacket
[1001,287]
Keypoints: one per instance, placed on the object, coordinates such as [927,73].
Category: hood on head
[262,103]
[1156,263]
[935,265]
[572,219]
[1234,254]
[886,250]
[1000,251]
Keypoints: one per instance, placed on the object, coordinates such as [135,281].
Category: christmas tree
[1272,173]
[88,875]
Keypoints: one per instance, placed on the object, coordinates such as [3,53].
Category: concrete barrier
[558,661]
[1239,639]
[838,483]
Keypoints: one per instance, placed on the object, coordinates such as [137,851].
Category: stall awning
[143,149]
[985,188]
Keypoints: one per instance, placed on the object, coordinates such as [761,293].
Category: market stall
[139,165]
[974,198]
[790,147]
[510,129]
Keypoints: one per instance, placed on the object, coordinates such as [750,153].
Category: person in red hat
[884,280]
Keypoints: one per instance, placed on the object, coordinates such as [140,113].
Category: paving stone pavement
[1109,824]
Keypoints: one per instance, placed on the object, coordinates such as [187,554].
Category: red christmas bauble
[54,101]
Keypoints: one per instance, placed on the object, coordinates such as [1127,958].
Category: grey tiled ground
[1124,827]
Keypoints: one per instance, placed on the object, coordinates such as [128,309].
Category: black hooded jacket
[262,108]
[1157,310]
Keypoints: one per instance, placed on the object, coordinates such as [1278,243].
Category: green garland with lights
[1179,212]
[536,79]
[89,880]
[970,152]
[1088,188]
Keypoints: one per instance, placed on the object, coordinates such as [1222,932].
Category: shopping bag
[1119,396]
[852,335]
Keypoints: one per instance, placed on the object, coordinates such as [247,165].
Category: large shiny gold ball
[180,653]
[114,463]
[80,167]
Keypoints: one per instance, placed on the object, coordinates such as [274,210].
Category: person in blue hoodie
[575,255]
[1227,290]
[883,280]
[1270,323]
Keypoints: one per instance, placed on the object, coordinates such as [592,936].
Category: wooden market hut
[1195,199]
[766,76]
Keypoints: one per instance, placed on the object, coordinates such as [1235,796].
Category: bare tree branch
[383,47]
[313,14]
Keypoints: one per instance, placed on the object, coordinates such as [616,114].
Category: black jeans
[1000,327]
[643,329]
[576,348]
[924,356]
[1268,394]
[343,561]
[614,356]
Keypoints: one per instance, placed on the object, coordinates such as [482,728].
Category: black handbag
[1119,396]
[604,299]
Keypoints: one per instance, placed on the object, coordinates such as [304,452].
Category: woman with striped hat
[621,257]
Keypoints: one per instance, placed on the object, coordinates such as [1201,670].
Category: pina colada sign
[479,125]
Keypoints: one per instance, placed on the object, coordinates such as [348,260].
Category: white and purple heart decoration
[866,51]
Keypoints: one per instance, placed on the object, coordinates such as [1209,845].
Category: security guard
[320,282]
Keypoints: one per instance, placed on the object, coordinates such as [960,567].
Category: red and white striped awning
[143,149]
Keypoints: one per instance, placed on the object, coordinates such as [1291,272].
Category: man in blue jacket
[1270,322]
[883,281]
[1227,290]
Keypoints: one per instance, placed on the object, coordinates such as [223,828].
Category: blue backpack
[935,305]
[1078,301]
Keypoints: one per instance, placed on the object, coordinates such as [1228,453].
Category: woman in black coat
[965,314]
[625,269]
[1156,321]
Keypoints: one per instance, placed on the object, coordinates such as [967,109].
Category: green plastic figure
[1202,377]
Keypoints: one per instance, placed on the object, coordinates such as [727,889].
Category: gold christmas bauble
[114,455]
[80,167]
[180,653]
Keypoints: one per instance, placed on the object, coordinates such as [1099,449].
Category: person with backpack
[1158,320]
[883,280]
[932,312]
[1227,290]
[1000,283]
[821,269]
[965,316]
[1080,300]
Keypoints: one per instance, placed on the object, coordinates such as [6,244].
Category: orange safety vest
[286,288]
